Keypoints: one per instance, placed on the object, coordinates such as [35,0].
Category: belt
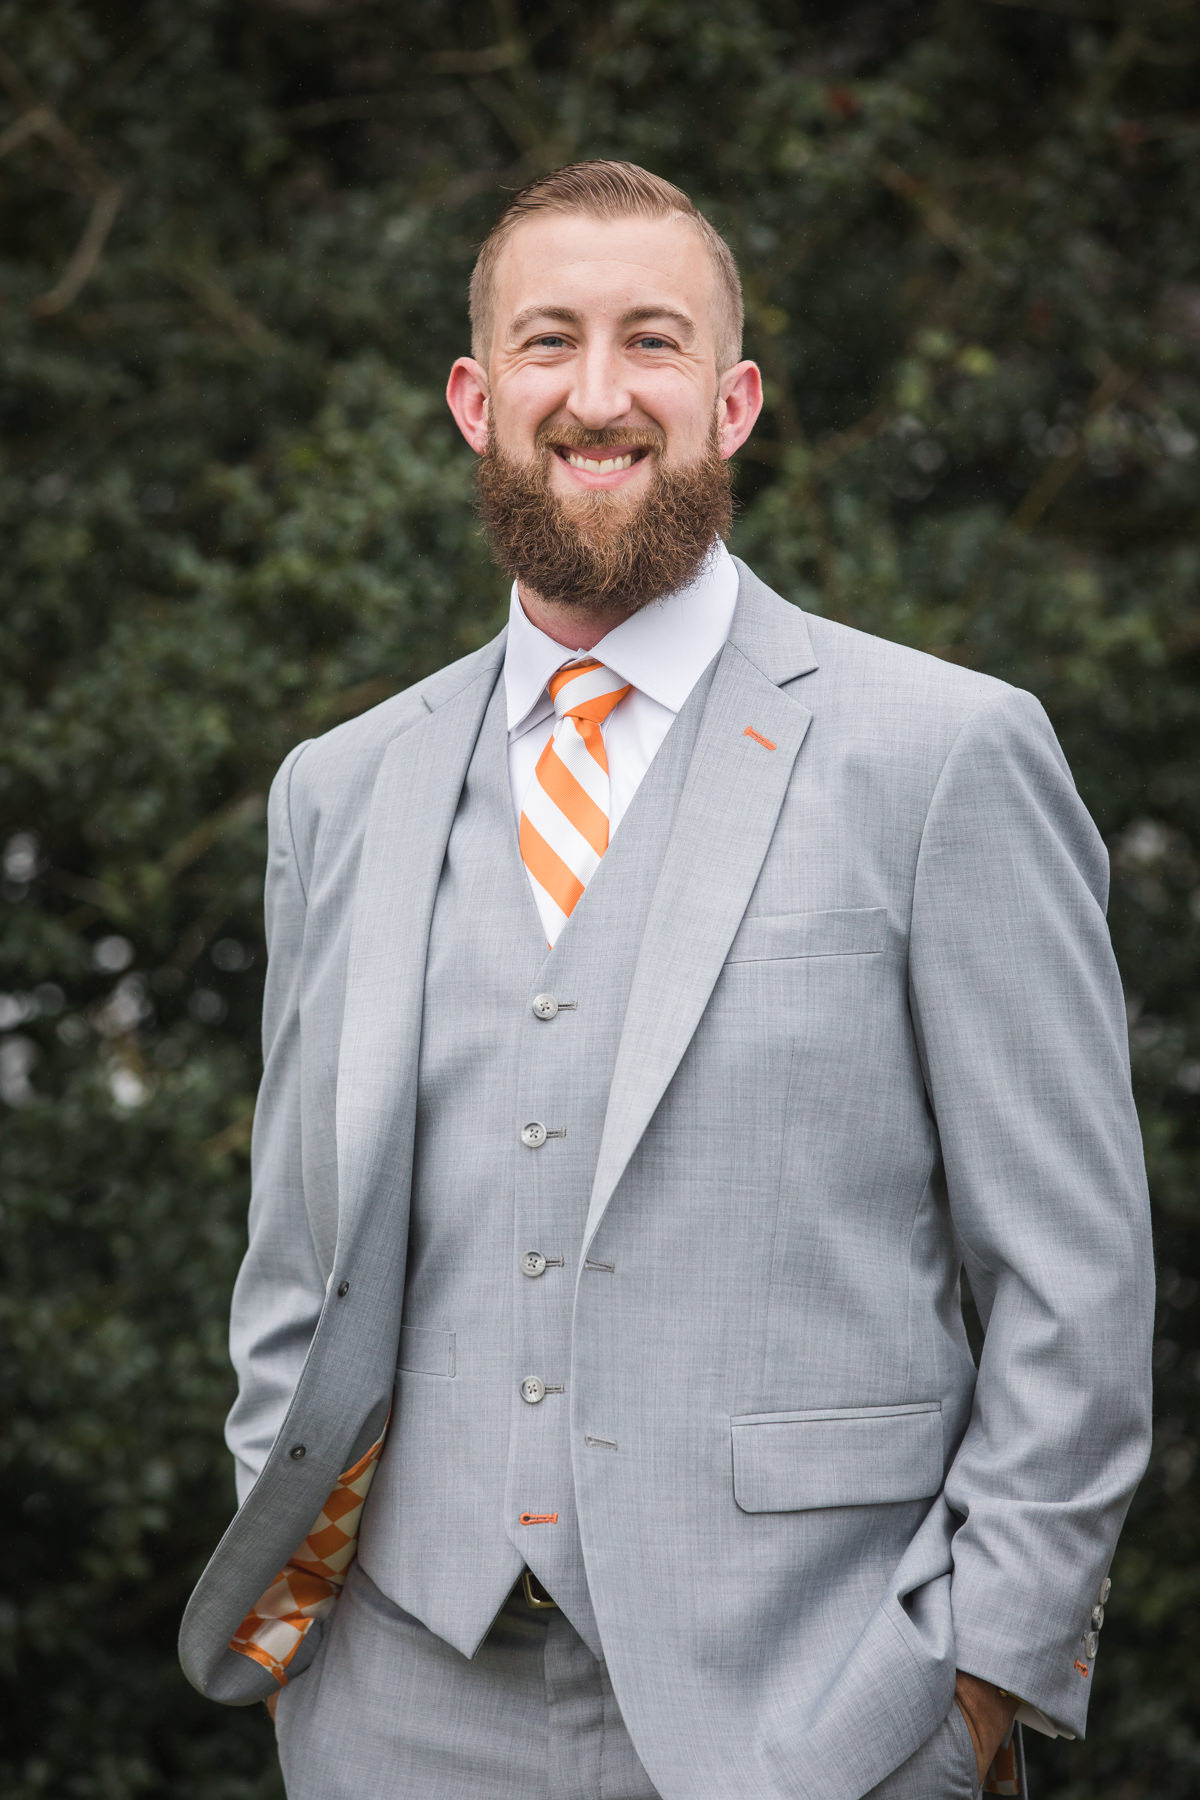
[535,1594]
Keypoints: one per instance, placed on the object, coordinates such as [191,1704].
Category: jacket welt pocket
[844,1456]
[425,1352]
[853,931]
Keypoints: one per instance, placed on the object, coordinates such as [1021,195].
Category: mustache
[577,437]
[597,551]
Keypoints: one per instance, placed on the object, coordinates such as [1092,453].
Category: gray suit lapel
[748,741]
[412,809]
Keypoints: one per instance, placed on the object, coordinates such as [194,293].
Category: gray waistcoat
[467,1454]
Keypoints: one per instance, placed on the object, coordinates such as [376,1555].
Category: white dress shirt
[663,650]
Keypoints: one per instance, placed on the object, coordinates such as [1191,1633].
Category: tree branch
[197,935]
[1115,64]
[235,1136]
[13,77]
[40,120]
[508,112]
[1088,9]
[87,253]
[27,126]
[243,811]
[1050,483]
[337,111]
[478,62]
[203,286]
[836,444]
[1055,476]
[936,216]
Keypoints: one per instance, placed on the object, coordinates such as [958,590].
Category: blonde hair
[607,190]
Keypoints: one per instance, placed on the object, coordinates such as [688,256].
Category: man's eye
[550,342]
[653,343]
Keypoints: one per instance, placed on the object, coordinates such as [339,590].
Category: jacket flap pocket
[425,1352]
[847,932]
[855,1456]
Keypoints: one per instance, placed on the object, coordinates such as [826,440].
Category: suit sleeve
[280,1288]
[1021,1023]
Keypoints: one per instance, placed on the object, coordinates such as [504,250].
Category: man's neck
[568,625]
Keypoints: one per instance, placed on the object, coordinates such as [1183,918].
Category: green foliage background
[234,242]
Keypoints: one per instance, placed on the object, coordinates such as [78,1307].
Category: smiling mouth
[596,462]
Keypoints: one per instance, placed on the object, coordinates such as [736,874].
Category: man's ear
[739,402]
[467,398]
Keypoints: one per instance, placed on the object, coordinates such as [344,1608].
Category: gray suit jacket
[875,1032]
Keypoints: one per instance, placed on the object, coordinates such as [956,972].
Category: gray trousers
[388,1711]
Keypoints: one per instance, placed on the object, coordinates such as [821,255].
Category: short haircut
[607,190]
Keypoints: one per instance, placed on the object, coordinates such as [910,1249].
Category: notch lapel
[408,826]
[723,827]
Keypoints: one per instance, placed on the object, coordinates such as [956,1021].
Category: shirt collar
[663,649]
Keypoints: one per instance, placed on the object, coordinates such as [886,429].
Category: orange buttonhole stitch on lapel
[539,1518]
[758,737]
[1083,1669]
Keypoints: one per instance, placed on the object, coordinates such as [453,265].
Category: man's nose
[600,395]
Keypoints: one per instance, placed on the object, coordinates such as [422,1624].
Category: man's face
[603,326]
[601,419]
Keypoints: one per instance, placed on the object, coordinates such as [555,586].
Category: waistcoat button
[533,1136]
[1097,1616]
[297,1453]
[533,1389]
[1105,1590]
[1091,1644]
[533,1263]
[343,1289]
[545,1006]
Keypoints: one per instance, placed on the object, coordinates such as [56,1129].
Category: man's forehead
[610,266]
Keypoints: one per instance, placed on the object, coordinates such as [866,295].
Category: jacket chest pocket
[839,1456]
[846,931]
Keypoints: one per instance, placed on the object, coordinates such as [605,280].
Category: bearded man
[665,1002]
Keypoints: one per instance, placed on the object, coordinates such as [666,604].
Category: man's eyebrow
[638,315]
[562,315]
[641,314]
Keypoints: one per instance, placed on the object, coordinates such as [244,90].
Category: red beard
[599,552]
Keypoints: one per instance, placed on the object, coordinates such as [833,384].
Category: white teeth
[599,468]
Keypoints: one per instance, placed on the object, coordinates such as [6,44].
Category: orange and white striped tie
[564,818]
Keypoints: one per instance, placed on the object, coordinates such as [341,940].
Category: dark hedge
[234,242]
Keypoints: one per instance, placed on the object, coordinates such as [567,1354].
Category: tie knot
[586,690]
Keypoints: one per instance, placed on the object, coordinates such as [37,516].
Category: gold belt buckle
[542,1603]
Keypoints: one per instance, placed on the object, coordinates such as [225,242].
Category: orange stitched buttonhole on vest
[539,1518]
[758,737]
[1083,1669]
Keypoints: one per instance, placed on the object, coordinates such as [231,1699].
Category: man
[665,1002]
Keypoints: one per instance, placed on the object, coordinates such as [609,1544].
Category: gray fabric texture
[944,1768]
[389,1711]
[873,1030]
[466,1457]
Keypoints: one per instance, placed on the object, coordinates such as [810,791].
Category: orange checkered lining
[306,1588]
